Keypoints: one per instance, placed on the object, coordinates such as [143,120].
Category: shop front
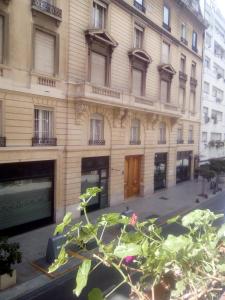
[183,168]
[26,196]
[160,171]
[95,173]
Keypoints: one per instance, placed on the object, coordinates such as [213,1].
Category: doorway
[132,176]
[183,172]
[160,171]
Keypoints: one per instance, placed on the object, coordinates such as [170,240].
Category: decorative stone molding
[80,110]
[144,101]
[105,92]
[166,72]
[43,101]
[119,117]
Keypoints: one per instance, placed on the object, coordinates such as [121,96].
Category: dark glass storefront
[26,196]
[160,171]
[183,170]
[95,172]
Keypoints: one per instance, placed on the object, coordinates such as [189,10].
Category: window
[206,87]
[138,36]
[99,14]
[98,69]
[165,53]
[193,70]
[135,132]
[139,4]
[180,134]
[182,97]
[192,102]
[218,94]
[44,52]
[183,32]
[1,38]
[204,137]
[43,127]
[194,41]
[215,136]
[217,115]
[162,133]
[205,111]
[166,17]
[207,62]
[208,40]
[96,130]
[165,97]
[137,82]
[190,135]
[218,71]
[183,64]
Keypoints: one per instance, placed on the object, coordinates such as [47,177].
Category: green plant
[189,266]
[9,255]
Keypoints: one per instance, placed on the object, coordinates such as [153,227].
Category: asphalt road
[105,278]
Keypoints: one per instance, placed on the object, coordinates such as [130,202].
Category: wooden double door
[132,176]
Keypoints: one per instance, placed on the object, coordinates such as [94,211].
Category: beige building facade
[95,93]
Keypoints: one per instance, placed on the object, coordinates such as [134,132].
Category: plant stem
[113,290]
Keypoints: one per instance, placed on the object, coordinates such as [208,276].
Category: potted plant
[9,255]
[167,267]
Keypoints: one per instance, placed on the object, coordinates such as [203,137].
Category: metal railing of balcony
[48,8]
[96,142]
[182,76]
[133,142]
[179,141]
[139,6]
[2,141]
[190,141]
[37,141]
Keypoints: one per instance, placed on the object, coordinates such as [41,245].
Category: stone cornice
[152,25]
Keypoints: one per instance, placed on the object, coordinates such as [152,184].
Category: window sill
[167,27]
[96,142]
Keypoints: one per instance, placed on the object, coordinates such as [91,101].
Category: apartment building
[95,93]
[213,107]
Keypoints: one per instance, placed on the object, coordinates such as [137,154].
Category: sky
[219,3]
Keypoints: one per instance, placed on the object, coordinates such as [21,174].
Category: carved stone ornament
[166,71]
[173,122]
[80,110]
[119,117]
[101,36]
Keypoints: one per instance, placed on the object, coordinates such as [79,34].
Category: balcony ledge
[47,9]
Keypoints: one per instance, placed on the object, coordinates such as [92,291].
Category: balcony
[162,142]
[2,141]
[96,142]
[133,142]
[167,27]
[194,49]
[182,76]
[184,41]
[37,141]
[190,141]
[193,81]
[48,9]
[179,141]
[139,6]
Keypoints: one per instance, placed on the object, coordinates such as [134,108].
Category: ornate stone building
[95,92]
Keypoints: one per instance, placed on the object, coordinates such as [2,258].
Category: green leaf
[176,243]
[173,220]
[59,229]
[95,294]
[130,249]
[82,276]
[145,247]
[67,219]
[221,232]
[61,260]
[221,268]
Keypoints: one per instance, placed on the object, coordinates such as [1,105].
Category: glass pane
[24,201]
[90,179]
[98,69]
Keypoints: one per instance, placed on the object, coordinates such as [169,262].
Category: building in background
[213,92]
[95,93]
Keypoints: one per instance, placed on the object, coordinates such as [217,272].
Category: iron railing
[139,6]
[96,142]
[37,141]
[45,7]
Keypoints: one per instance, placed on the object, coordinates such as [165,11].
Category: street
[105,278]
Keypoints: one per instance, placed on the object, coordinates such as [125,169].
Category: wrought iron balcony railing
[139,6]
[96,142]
[2,141]
[184,41]
[37,141]
[193,81]
[180,141]
[162,142]
[133,142]
[182,76]
[190,141]
[167,27]
[47,8]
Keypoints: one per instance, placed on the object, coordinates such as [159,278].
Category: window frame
[135,140]
[140,29]
[93,129]
[56,50]
[162,133]
[104,5]
[165,24]
[194,41]
[48,109]
[5,38]
[168,90]
[143,79]
[183,58]
[106,66]
[169,46]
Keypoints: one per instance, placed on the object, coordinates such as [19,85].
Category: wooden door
[132,176]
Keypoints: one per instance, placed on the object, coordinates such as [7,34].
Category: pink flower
[133,219]
[129,259]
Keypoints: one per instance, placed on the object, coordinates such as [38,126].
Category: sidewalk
[171,201]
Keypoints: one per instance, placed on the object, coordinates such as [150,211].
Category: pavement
[169,202]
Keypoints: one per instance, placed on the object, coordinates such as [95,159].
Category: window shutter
[164,91]
[44,59]
[1,38]
[165,52]
[98,69]
[137,82]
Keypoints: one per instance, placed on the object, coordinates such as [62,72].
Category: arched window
[135,132]
[162,133]
[96,130]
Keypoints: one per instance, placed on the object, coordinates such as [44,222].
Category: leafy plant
[9,255]
[189,266]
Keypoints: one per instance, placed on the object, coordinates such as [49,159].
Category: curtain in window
[97,128]
[1,38]
[98,69]
[44,53]
[99,10]
[162,132]
[164,91]
[43,123]
[135,130]
[182,97]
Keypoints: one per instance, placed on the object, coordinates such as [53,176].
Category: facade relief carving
[80,110]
